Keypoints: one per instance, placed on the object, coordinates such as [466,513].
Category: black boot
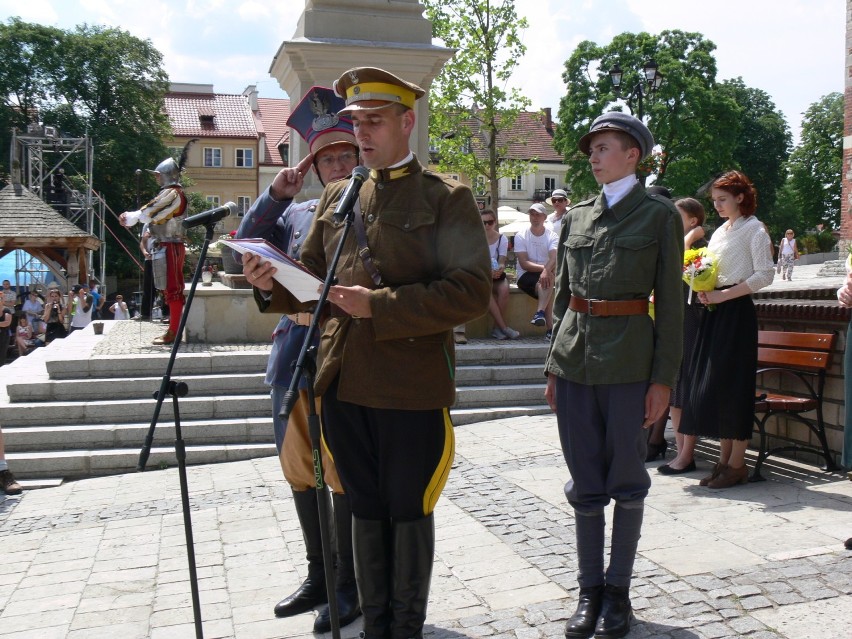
[371,545]
[348,608]
[616,613]
[583,622]
[413,554]
[312,591]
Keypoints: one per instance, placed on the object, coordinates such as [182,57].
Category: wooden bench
[801,361]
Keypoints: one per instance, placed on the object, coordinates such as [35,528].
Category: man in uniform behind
[278,219]
[387,364]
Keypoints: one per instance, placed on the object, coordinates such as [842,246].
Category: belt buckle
[592,306]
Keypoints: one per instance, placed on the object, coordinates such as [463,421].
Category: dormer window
[206,116]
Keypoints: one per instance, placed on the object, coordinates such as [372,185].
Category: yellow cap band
[380,91]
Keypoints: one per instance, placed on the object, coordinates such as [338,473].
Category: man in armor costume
[164,217]
[278,219]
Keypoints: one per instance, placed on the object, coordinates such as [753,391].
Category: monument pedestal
[226,313]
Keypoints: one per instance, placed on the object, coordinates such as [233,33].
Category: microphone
[212,216]
[350,194]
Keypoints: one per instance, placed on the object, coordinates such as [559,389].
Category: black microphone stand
[176,390]
[306,365]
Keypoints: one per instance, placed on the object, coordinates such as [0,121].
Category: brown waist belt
[302,319]
[604,308]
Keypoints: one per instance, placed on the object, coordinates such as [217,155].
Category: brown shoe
[168,338]
[730,476]
[9,483]
[717,469]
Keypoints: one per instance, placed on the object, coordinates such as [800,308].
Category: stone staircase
[69,418]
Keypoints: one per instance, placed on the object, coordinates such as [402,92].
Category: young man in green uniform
[610,367]
[386,369]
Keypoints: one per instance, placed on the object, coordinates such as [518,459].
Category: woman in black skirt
[722,369]
[692,213]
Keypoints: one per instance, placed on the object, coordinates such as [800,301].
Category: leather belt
[605,308]
[302,319]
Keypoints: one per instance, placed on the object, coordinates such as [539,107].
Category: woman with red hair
[724,362]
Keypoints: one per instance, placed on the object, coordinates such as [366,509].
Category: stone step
[154,365]
[500,395]
[106,388]
[71,464]
[115,435]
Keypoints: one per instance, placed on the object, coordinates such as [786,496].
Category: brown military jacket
[428,243]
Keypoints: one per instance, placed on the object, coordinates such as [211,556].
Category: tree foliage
[472,109]
[694,122]
[763,145]
[816,165]
[91,80]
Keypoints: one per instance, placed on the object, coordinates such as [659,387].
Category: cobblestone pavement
[105,557]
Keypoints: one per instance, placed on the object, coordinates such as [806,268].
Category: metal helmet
[170,171]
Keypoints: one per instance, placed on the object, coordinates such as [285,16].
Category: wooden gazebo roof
[31,225]
[28,223]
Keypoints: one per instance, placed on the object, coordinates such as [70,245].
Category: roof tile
[232,117]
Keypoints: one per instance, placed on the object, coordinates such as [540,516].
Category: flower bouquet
[699,270]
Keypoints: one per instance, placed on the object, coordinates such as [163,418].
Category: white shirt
[537,247]
[555,223]
[788,247]
[119,311]
[744,253]
[615,191]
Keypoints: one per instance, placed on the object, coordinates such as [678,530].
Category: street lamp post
[652,81]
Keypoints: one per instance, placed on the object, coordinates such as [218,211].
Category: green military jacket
[428,243]
[620,253]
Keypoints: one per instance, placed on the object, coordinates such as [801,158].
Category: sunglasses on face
[488,222]
[557,199]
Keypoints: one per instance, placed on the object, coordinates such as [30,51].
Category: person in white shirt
[788,251]
[535,251]
[560,202]
[723,363]
[119,309]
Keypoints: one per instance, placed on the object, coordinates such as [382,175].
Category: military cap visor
[617,121]
[369,84]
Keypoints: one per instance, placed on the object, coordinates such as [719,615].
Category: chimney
[547,119]
[251,93]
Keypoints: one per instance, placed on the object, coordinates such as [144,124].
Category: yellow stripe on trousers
[442,472]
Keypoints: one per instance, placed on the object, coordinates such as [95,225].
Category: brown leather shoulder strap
[363,248]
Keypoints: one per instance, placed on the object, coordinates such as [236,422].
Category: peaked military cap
[317,120]
[617,121]
[369,83]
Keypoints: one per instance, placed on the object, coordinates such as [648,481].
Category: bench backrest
[803,351]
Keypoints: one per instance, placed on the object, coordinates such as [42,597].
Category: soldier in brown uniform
[386,369]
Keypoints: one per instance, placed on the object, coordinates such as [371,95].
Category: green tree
[95,81]
[816,165]
[763,143]
[693,122]
[472,111]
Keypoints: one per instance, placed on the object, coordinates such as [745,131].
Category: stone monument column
[335,35]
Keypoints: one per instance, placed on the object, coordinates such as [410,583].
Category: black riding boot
[616,613]
[371,543]
[312,591]
[582,623]
[413,554]
[348,609]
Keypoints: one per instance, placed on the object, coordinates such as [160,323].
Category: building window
[212,200]
[212,156]
[243,204]
[284,151]
[550,184]
[175,151]
[244,158]
[517,183]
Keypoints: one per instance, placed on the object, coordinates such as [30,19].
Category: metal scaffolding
[59,170]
